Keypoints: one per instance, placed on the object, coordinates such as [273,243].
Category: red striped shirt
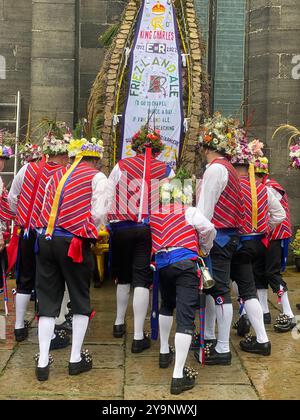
[229,210]
[262,207]
[128,189]
[74,213]
[284,230]
[171,229]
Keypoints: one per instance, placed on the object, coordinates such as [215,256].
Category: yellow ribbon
[55,205]
[254,197]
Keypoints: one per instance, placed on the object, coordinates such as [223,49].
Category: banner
[155,81]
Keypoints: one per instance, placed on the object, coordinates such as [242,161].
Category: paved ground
[118,374]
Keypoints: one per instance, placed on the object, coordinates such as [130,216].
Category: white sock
[45,329]
[80,324]
[165,326]
[210,318]
[263,300]
[256,318]
[21,308]
[68,300]
[140,309]
[63,309]
[182,346]
[224,320]
[123,294]
[286,307]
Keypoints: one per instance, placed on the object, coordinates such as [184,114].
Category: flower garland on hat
[293,143]
[57,138]
[85,148]
[147,137]
[295,156]
[220,134]
[261,163]
[179,190]
[30,152]
[244,154]
[6,151]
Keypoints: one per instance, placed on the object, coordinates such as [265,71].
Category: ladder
[16,106]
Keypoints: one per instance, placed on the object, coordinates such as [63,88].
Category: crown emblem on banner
[158,9]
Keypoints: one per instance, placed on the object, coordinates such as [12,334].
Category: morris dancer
[131,236]
[262,213]
[178,232]
[74,210]
[221,203]
[26,198]
[276,257]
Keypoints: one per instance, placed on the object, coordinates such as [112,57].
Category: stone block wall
[15,52]
[95,17]
[273,82]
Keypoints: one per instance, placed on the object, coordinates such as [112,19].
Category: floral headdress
[179,190]
[6,151]
[295,156]
[147,137]
[293,143]
[220,134]
[243,154]
[261,163]
[57,138]
[85,148]
[30,152]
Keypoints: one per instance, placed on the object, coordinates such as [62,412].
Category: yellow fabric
[54,209]
[254,197]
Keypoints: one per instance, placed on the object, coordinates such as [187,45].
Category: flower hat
[220,134]
[85,148]
[147,137]
[57,138]
[295,156]
[243,154]
[30,152]
[261,163]
[6,151]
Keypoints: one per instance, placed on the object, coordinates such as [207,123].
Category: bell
[208,281]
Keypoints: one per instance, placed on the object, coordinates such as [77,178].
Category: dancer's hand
[2,245]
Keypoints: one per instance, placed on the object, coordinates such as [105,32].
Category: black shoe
[166,359]
[210,343]
[267,319]
[42,374]
[119,330]
[22,333]
[284,324]
[138,346]
[60,341]
[65,326]
[85,364]
[196,342]
[250,345]
[212,357]
[179,385]
[243,326]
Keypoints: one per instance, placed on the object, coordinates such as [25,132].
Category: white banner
[155,79]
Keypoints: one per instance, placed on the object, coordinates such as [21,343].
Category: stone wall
[273,91]
[15,49]
[95,17]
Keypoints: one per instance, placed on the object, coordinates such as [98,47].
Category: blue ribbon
[284,253]
[224,236]
[155,306]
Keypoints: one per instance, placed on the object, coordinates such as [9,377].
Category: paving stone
[209,392]
[96,383]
